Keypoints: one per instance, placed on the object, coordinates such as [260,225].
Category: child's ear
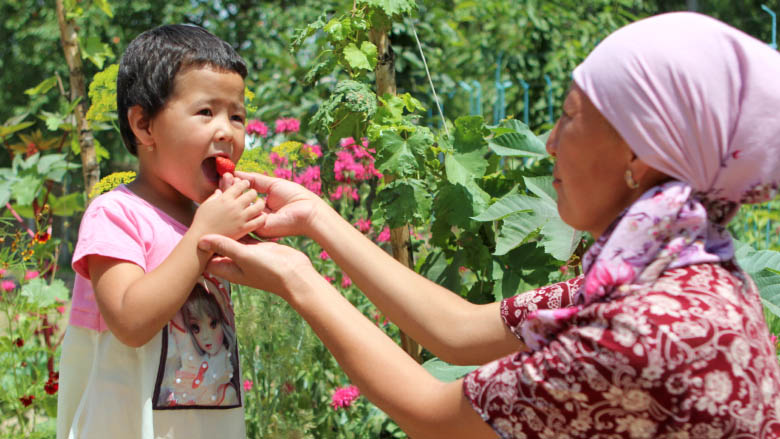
[139,123]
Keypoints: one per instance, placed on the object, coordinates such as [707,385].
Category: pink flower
[32,274]
[364,225]
[347,141]
[343,397]
[346,282]
[324,255]
[7,285]
[248,385]
[310,179]
[773,339]
[278,160]
[61,309]
[314,150]
[283,173]
[288,125]
[329,279]
[256,127]
[384,236]
[3,271]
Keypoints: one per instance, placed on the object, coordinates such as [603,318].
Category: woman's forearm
[452,328]
[423,406]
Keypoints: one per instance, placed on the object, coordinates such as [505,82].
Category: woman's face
[208,333]
[590,164]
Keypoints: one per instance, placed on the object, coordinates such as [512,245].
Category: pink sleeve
[514,310]
[110,233]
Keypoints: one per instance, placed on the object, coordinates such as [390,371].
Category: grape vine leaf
[391,7]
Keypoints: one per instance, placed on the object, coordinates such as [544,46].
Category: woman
[668,128]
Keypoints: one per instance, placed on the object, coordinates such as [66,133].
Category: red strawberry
[224,165]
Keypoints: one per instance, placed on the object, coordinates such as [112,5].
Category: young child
[180,100]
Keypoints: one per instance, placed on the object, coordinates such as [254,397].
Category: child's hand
[233,213]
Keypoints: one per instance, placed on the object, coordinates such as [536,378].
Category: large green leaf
[404,202]
[762,266]
[517,140]
[391,7]
[560,239]
[446,372]
[464,167]
[542,187]
[515,203]
[399,156]
[42,294]
[25,189]
[516,229]
[356,58]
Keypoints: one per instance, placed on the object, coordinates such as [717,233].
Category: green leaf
[446,372]
[43,87]
[308,31]
[105,7]
[454,205]
[356,59]
[519,141]
[25,189]
[464,167]
[43,295]
[96,51]
[560,239]
[405,202]
[5,193]
[516,229]
[514,203]
[67,205]
[391,7]
[369,50]
[402,157]
[46,162]
[542,187]
[53,120]
[470,134]
[10,129]
[438,269]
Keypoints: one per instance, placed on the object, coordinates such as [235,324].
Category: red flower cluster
[27,400]
[19,342]
[53,384]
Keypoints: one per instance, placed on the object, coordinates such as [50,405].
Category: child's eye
[213,324]
[204,112]
[195,328]
[238,118]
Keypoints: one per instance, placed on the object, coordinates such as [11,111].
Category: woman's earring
[632,184]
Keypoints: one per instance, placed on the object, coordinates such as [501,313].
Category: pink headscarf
[699,101]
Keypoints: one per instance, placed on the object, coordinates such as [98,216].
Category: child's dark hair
[152,61]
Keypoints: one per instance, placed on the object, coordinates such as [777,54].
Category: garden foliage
[475,193]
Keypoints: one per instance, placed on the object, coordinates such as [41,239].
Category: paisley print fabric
[687,356]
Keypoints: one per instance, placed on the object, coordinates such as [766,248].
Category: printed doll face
[208,333]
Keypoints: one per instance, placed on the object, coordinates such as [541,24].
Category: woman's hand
[290,209]
[263,265]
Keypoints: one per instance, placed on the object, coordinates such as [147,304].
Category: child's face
[203,118]
[208,333]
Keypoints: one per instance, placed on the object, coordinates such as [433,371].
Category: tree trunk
[78,89]
[399,237]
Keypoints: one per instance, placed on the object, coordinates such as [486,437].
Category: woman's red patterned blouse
[689,357]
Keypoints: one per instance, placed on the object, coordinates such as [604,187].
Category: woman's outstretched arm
[452,328]
[423,406]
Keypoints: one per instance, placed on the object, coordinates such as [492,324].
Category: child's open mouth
[209,167]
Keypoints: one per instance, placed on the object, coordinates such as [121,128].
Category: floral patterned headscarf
[699,101]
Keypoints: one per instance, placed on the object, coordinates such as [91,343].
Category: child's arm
[137,305]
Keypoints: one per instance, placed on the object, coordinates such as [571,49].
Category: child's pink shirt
[119,225]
